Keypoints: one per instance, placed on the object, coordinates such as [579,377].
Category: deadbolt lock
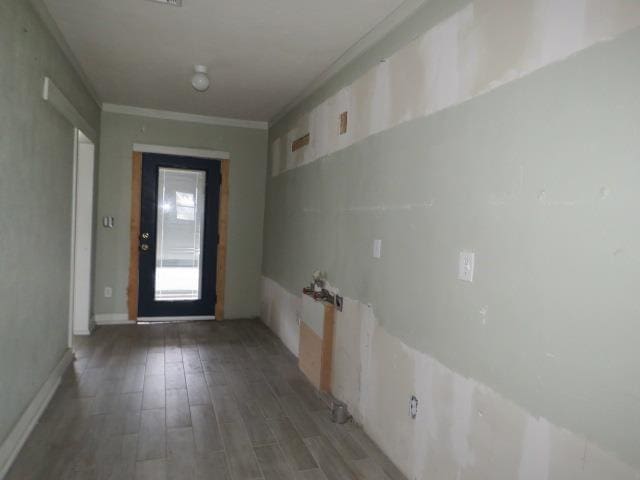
[145,235]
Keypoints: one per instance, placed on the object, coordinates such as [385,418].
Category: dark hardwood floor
[201,400]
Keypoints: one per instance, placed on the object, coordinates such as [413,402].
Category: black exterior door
[178,236]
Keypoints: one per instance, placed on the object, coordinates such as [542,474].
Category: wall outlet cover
[466,266]
[377,248]
[108,292]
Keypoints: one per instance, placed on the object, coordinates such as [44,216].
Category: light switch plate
[107,222]
[466,266]
[377,248]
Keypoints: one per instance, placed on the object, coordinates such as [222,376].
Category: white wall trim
[84,333]
[112,319]
[52,94]
[377,33]
[72,256]
[11,446]
[181,151]
[184,117]
[81,237]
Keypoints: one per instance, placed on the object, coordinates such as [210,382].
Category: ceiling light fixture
[200,81]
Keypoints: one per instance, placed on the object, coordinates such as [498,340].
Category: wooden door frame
[134,226]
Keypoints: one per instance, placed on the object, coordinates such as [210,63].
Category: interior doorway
[82,235]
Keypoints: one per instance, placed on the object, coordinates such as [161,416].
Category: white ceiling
[261,53]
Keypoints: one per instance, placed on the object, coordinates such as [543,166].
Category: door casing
[81,277]
[134,227]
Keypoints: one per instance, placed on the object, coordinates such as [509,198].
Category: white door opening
[82,236]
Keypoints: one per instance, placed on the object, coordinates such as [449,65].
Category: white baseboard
[112,319]
[15,440]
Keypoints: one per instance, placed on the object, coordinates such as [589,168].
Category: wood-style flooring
[201,400]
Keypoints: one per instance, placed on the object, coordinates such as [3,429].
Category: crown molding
[183,117]
[43,12]
[373,36]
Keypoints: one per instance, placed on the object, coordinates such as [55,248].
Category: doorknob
[144,247]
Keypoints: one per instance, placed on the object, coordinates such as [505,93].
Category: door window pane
[179,238]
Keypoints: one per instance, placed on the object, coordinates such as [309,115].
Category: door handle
[144,237]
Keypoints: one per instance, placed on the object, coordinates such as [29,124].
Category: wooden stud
[344,119]
[223,223]
[134,235]
[315,353]
[327,348]
[310,354]
[300,142]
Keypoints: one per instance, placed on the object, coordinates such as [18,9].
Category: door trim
[134,235]
[81,275]
[134,229]
[180,151]
[223,223]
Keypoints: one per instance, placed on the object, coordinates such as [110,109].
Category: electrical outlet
[108,292]
[377,248]
[466,266]
[413,406]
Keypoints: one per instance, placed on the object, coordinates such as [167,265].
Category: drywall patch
[347,362]
[280,310]
[461,420]
[463,430]
[483,46]
[535,453]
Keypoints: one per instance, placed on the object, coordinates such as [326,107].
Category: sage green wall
[540,178]
[248,149]
[36,161]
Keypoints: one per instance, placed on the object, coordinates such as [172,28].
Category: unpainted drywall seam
[463,429]
[487,44]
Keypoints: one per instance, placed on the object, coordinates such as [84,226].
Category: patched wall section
[463,429]
[484,45]
[513,134]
